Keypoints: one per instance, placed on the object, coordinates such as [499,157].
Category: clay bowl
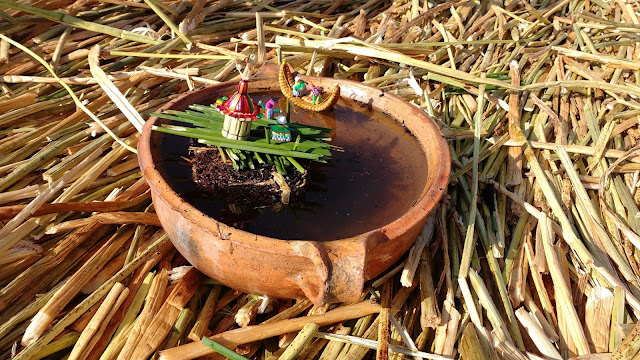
[323,271]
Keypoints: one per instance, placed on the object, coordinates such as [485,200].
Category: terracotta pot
[323,271]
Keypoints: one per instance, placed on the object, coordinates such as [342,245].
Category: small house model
[240,112]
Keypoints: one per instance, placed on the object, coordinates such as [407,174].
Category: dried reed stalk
[564,299]
[166,316]
[18,102]
[411,265]
[301,341]
[245,315]
[514,165]
[598,319]
[53,307]
[7,212]
[8,241]
[630,346]
[118,217]
[445,337]
[99,321]
[153,302]
[575,106]
[333,348]
[537,334]
[112,91]
[429,313]
[206,313]
[115,345]
[470,347]
[382,350]
[92,299]
[258,332]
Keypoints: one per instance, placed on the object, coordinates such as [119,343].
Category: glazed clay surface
[323,271]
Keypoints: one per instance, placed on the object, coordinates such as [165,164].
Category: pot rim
[427,200]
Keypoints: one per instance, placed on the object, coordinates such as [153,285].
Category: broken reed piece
[518,276]
[123,167]
[17,102]
[168,314]
[333,348]
[313,349]
[65,341]
[6,240]
[597,315]
[470,346]
[248,312]
[564,303]
[93,331]
[533,309]
[22,249]
[537,334]
[228,320]
[630,346]
[52,309]
[153,302]
[384,333]
[617,318]
[116,343]
[445,337]
[7,212]
[514,161]
[429,313]
[301,341]
[369,329]
[503,346]
[11,270]
[118,217]
[206,313]
[413,259]
[233,338]
[29,310]
[177,330]
[20,194]
[104,274]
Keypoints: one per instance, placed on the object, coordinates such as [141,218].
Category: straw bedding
[533,254]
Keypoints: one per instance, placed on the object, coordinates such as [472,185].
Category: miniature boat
[286,81]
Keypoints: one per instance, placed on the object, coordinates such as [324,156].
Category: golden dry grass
[533,253]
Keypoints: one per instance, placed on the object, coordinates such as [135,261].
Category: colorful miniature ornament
[269,108]
[280,132]
[314,94]
[239,112]
[291,88]
[299,89]
[221,100]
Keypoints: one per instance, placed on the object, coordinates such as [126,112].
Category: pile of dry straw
[532,255]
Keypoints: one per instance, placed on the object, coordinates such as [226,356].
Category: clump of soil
[258,187]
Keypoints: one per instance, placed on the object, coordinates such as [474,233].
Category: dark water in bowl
[377,178]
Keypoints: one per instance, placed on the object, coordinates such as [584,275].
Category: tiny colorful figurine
[314,94]
[296,90]
[239,113]
[269,108]
[280,132]
[299,88]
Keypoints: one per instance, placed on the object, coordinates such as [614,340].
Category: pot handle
[338,273]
